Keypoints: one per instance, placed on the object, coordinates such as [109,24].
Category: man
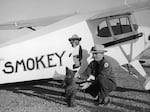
[77,50]
[101,73]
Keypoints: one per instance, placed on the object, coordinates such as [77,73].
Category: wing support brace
[136,64]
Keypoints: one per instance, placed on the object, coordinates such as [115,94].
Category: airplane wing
[38,22]
[32,22]
[126,8]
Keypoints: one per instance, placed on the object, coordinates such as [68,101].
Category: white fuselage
[45,53]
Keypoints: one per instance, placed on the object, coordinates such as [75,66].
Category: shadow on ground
[51,90]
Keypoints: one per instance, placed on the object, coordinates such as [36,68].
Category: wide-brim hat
[75,37]
[98,48]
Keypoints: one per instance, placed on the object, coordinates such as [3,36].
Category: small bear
[70,86]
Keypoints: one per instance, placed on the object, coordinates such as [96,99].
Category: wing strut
[136,64]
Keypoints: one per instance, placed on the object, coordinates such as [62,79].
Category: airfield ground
[46,96]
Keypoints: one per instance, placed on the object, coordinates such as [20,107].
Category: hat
[74,37]
[98,48]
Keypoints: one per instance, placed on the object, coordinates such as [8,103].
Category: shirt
[102,68]
[75,51]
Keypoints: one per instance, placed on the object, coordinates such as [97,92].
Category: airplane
[40,22]
[44,53]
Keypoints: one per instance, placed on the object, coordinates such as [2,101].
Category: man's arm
[87,72]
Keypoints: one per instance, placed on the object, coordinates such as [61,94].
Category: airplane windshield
[116,25]
[103,30]
[120,25]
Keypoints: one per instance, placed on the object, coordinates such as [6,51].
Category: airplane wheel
[147,84]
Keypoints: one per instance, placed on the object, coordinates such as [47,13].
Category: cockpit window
[120,25]
[116,25]
[103,30]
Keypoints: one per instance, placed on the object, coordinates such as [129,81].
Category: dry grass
[47,96]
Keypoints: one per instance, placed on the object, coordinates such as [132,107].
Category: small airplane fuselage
[45,54]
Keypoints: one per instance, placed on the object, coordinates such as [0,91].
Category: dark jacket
[104,78]
[102,68]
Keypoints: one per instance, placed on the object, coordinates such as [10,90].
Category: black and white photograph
[74,55]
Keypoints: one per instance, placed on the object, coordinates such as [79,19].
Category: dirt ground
[47,96]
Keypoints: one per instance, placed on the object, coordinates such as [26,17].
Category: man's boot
[99,100]
[102,101]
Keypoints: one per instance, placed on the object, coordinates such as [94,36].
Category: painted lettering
[9,66]
[30,64]
[19,63]
[60,57]
[42,62]
[39,60]
[49,57]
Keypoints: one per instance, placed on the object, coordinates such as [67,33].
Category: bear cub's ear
[70,72]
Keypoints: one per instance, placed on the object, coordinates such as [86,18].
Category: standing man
[77,50]
[101,73]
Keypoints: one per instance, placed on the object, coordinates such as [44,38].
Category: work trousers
[101,86]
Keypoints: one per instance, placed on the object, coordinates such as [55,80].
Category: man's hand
[91,77]
[85,85]
[77,75]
